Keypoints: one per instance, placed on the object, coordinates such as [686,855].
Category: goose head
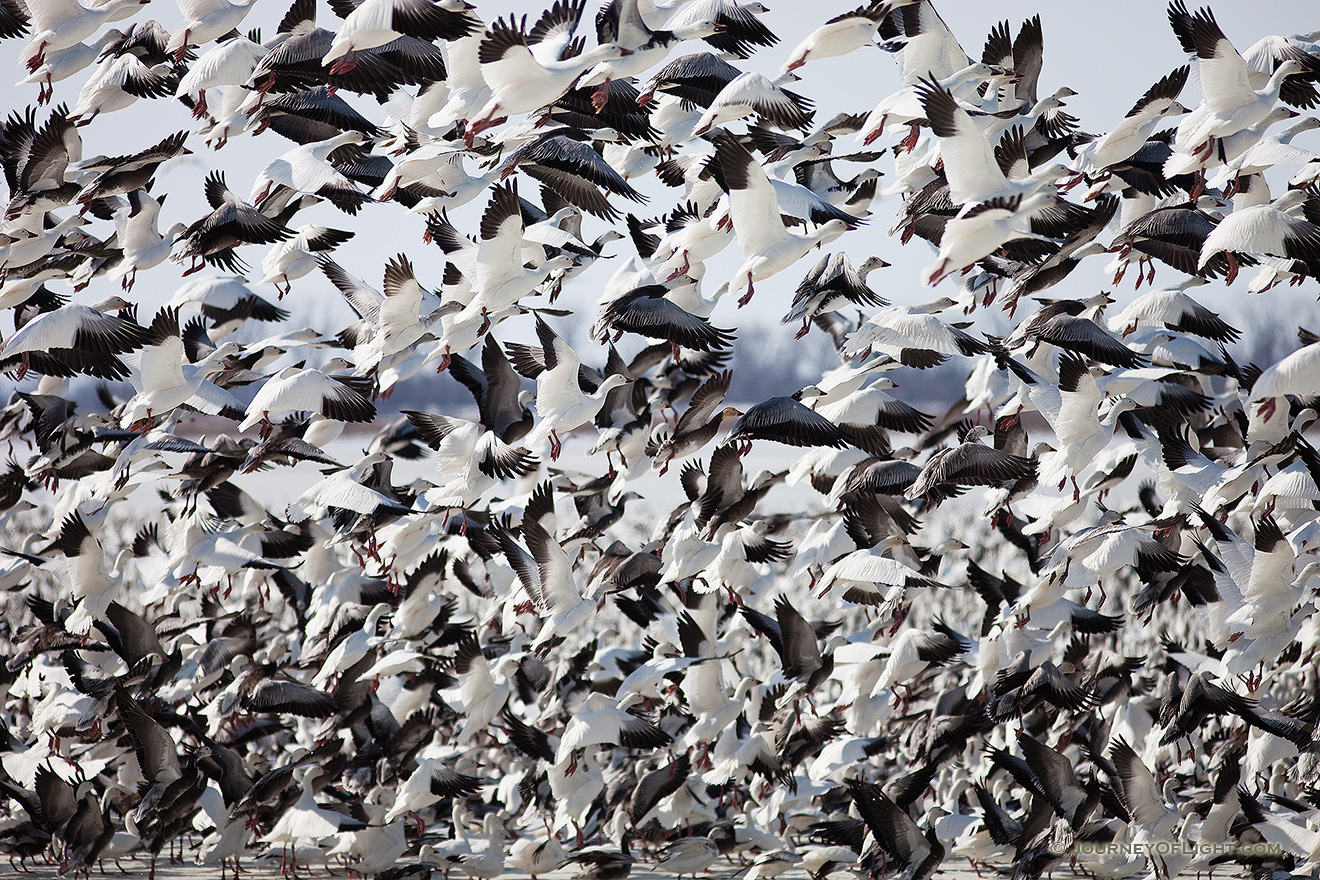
[1282,72]
[112,304]
[335,364]
[870,264]
[976,433]
[829,231]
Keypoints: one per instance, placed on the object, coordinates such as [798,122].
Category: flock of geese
[1068,622]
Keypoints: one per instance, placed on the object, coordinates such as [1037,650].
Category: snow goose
[143,245]
[1296,374]
[1133,130]
[1072,409]
[61,64]
[895,833]
[372,23]
[91,585]
[767,246]
[561,404]
[524,69]
[78,338]
[292,259]
[569,166]
[831,284]
[204,21]
[1062,323]
[688,855]
[969,159]
[970,463]
[307,169]
[545,571]
[914,335]
[348,489]
[352,649]
[120,175]
[601,720]
[469,458]
[737,28]
[164,380]
[1267,152]
[432,781]
[1263,229]
[861,572]
[61,24]
[482,858]
[117,83]
[699,423]
[648,311]
[1173,309]
[621,22]
[689,233]
[228,303]
[231,223]
[494,268]
[750,93]
[904,106]
[229,63]
[784,420]
[309,389]
[981,229]
[1229,103]
[696,78]
[307,823]
[392,322]
[840,35]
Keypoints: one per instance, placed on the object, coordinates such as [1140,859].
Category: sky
[1109,53]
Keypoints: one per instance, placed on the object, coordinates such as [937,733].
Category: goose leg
[747,297]
[182,51]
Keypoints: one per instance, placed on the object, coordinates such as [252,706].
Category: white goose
[840,35]
[546,572]
[308,389]
[373,23]
[561,404]
[289,260]
[1271,229]
[767,245]
[204,21]
[307,823]
[470,460]
[524,72]
[144,246]
[59,24]
[1229,103]
[165,380]
[306,169]
[1072,408]
[228,64]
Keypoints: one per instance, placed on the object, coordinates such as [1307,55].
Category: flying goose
[767,246]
